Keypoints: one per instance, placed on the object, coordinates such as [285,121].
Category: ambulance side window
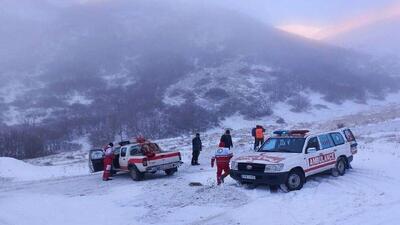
[337,138]
[349,135]
[313,143]
[326,141]
[123,152]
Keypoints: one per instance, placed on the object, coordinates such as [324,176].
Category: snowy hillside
[216,88]
[367,194]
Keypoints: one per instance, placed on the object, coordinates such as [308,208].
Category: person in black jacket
[196,147]
[227,139]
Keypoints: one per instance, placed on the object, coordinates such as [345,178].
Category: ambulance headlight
[234,165]
[273,168]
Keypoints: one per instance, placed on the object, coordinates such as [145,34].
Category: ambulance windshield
[289,145]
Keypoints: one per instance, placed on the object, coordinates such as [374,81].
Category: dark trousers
[258,142]
[195,156]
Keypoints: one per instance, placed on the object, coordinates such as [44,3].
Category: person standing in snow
[227,139]
[222,158]
[196,148]
[108,160]
[258,134]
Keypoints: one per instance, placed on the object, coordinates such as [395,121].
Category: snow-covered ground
[368,194]
[12,169]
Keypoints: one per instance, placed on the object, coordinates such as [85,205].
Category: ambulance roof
[291,133]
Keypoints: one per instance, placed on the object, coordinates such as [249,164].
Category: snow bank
[11,168]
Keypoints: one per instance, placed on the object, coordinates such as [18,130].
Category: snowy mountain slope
[216,88]
[367,194]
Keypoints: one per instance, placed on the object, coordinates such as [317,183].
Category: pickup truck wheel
[171,171]
[136,175]
[295,180]
[340,167]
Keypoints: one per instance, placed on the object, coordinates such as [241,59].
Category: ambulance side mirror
[311,150]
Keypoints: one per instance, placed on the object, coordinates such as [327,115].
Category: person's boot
[223,177]
[349,166]
[106,176]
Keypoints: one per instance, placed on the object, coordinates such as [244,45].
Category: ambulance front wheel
[295,180]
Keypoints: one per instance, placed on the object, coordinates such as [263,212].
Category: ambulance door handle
[335,150]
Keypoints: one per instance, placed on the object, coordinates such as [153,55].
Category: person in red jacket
[108,160]
[222,157]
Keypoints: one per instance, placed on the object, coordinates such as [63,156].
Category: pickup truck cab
[289,157]
[137,159]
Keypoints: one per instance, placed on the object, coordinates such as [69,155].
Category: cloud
[387,13]
[302,30]
[320,33]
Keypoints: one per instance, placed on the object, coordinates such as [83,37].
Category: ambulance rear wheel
[341,166]
[171,172]
[295,180]
[135,174]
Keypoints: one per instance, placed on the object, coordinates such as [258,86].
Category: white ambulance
[137,159]
[288,157]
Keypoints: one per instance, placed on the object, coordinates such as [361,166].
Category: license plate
[165,167]
[249,177]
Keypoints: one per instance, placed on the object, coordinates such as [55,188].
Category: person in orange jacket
[222,157]
[108,160]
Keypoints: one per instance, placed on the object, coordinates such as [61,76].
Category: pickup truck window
[287,145]
[134,150]
[117,150]
[123,152]
[97,154]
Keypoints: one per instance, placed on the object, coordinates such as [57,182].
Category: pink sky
[320,32]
